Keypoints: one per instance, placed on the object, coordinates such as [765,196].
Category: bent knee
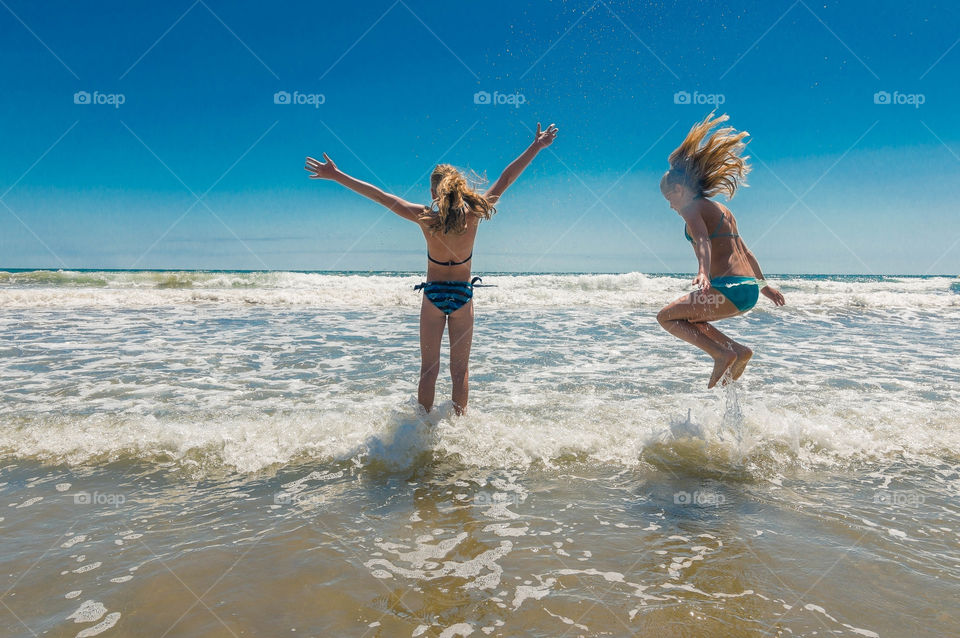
[664,316]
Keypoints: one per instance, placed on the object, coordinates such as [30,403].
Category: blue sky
[841,184]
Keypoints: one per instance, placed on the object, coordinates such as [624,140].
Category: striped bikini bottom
[448,296]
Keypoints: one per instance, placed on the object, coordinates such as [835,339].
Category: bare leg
[743,352]
[461,338]
[432,322]
[723,356]
[681,317]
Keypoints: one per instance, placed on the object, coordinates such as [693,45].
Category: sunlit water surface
[226,454]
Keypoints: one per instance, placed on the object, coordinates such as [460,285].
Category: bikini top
[715,233]
[449,263]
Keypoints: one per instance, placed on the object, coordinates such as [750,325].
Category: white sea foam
[89,611]
[494,437]
[133,289]
[108,622]
[571,366]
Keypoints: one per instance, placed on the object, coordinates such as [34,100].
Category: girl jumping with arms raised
[449,226]
[728,274]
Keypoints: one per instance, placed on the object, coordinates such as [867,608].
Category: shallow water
[217,454]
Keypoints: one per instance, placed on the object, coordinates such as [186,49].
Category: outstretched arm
[769,292]
[510,174]
[329,170]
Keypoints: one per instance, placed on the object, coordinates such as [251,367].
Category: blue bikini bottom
[448,296]
[742,292]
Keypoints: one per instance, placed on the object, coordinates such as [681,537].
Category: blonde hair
[454,201]
[711,167]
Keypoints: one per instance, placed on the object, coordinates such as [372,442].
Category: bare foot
[721,364]
[743,357]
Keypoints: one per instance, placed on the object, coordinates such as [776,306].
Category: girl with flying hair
[449,226]
[728,273]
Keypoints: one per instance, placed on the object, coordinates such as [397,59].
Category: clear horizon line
[492,272]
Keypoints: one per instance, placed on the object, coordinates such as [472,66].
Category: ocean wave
[57,289]
[697,437]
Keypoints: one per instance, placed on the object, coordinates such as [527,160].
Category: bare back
[453,248]
[728,255]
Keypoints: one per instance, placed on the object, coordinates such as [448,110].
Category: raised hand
[321,170]
[544,139]
[773,295]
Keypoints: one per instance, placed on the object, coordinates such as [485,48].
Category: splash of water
[406,439]
[732,415]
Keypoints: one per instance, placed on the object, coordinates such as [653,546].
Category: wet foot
[743,357]
[721,364]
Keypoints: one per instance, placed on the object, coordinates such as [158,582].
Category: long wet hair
[713,166]
[455,201]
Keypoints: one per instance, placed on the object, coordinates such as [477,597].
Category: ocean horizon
[772,275]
